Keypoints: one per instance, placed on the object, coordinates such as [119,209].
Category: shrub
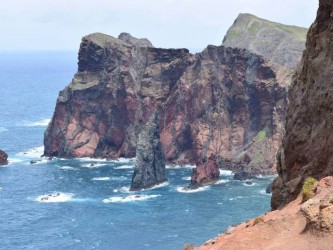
[258,220]
[307,188]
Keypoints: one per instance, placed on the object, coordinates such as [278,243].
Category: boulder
[3,158]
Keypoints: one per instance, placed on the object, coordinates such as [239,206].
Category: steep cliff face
[223,101]
[269,39]
[307,148]
[150,161]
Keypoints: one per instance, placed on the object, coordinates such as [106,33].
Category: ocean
[86,203]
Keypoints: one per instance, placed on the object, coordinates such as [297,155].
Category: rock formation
[223,101]
[150,161]
[206,172]
[3,158]
[299,225]
[266,38]
[307,148]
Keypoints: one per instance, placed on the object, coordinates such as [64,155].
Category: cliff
[266,38]
[307,148]
[298,226]
[223,101]
[150,161]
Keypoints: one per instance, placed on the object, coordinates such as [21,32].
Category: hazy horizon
[59,25]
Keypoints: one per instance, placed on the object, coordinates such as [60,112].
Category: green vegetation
[307,188]
[262,135]
[258,220]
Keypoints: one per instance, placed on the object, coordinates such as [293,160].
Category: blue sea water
[86,203]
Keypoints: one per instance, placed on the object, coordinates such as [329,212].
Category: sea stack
[206,172]
[150,160]
[3,158]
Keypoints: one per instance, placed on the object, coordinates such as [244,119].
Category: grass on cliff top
[307,188]
[251,24]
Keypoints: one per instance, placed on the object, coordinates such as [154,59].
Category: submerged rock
[3,158]
[150,160]
[206,172]
[269,188]
[243,175]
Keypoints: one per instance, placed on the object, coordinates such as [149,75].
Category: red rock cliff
[307,148]
[224,101]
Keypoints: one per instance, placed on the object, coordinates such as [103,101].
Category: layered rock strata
[150,161]
[223,101]
[307,148]
[3,158]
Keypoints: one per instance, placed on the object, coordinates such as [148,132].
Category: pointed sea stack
[150,160]
[3,158]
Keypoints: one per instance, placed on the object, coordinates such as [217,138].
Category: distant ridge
[266,38]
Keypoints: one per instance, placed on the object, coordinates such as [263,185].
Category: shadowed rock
[150,161]
[206,172]
[3,158]
[307,147]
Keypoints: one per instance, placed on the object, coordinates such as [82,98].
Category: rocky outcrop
[3,158]
[299,225]
[307,148]
[223,101]
[141,42]
[150,161]
[266,38]
[206,172]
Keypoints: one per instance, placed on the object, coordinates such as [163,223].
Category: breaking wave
[130,198]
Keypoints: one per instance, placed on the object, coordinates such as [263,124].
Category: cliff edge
[307,147]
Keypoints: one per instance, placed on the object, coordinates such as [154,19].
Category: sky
[193,24]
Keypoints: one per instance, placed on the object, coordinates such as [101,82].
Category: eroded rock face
[3,158]
[307,148]
[150,161]
[224,101]
[206,172]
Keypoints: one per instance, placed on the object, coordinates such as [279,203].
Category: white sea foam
[55,197]
[124,167]
[226,172]
[164,184]
[125,160]
[188,190]
[40,123]
[179,166]
[93,165]
[125,189]
[67,168]
[13,161]
[249,184]
[130,198]
[101,179]
[187,178]
[3,129]
[33,153]
[221,182]
[118,178]
[263,192]
[268,177]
